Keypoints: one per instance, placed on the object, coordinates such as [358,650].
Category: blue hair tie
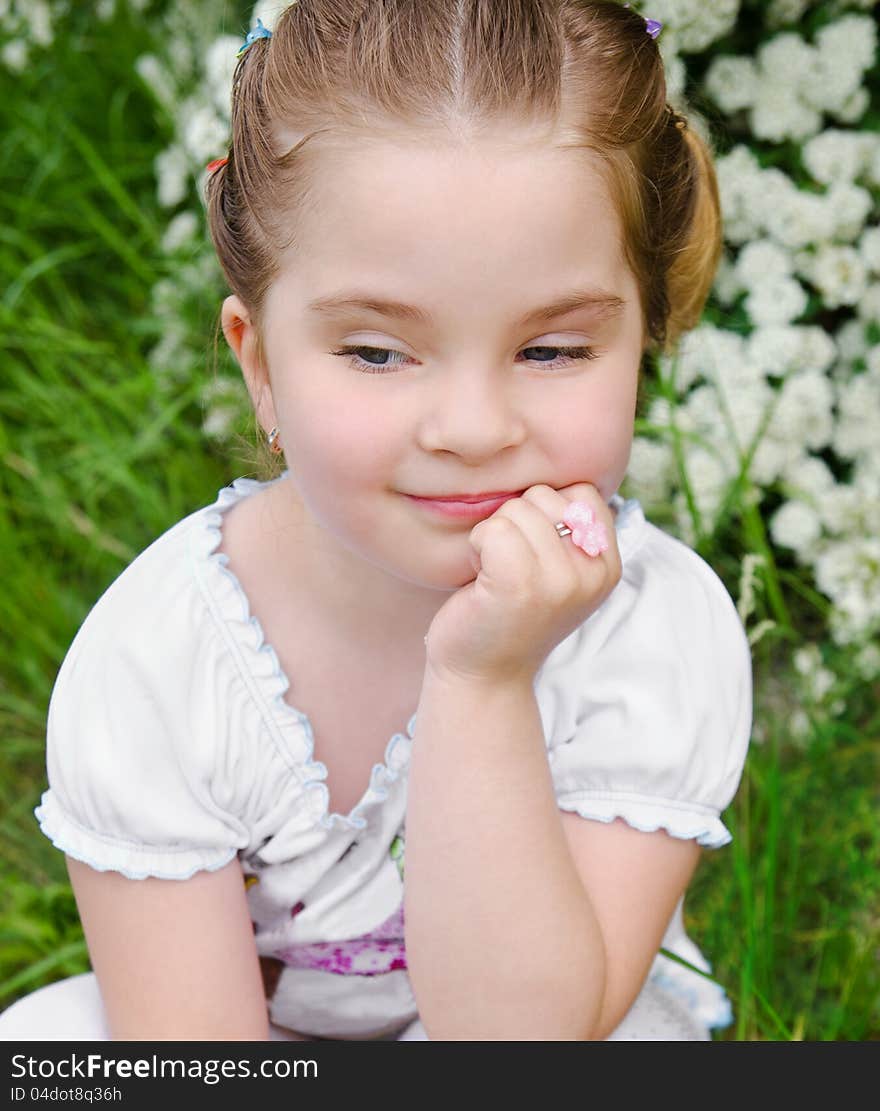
[259,32]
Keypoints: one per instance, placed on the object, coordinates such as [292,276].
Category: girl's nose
[473,414]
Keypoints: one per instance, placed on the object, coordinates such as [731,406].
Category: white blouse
[171,748]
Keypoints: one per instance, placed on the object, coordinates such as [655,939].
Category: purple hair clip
[652,26]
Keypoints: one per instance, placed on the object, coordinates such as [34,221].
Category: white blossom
[837,155]
[848,572]
[223,400]
[169,358]
[867,661]
[858,420]
[182,56]
[220,420]
[707,478]
[704,415]
[853,509]
[774,349]
[650,469]
[788,59]
[203,133]
[803,413]
[268,12]
[172,170]
[776,300]
[868,308]
[726,285]
[816,348]
[785,11]
[850,206]
[809,478]
[851,340]
[731,82]
[182,228]
[854,106]
[220,62]
[799,723]
[797,219]
[39,17]
[808,663]
[778,113]
[739,186]
[850,41]
[158,79]
[795,525]
[772,455]
[845,49]
[746,406]
[762,259]
[869,249]
[704,351]
[778,349]
[15,55]
[839,275]
[696,25]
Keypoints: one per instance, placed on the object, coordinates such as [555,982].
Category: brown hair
[337,69]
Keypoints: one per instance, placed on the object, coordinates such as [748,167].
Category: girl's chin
[449,576]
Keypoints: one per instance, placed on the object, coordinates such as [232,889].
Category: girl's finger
[555,504]
[548,551]
[503,551]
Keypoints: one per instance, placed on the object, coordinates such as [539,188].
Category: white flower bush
[758,394]
[771,406]
[24,26]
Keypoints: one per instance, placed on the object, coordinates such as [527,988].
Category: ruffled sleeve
[144,775]
[652,699]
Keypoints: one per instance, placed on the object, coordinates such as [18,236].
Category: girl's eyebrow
[599,301]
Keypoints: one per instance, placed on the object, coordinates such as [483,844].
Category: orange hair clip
[216,164]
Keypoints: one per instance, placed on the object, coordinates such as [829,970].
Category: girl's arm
[175,959]
[521,922]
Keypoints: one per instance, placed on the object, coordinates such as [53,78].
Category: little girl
[421,736]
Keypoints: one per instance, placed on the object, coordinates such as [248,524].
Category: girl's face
[466,390]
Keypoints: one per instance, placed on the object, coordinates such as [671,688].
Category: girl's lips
[462,510]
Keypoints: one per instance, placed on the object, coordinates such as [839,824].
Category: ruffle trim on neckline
[261,669]
[649,815]
[132,860]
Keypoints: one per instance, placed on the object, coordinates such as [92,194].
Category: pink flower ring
[586,530]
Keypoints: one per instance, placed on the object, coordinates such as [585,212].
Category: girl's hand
[533,588]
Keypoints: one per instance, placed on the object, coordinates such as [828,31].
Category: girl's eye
[569,354]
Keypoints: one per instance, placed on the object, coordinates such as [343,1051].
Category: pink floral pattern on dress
[379,951]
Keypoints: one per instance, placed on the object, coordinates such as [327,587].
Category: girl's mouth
[464,510]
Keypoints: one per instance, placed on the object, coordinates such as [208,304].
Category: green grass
[97,459]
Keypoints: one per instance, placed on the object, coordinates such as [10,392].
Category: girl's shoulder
[154,582]
[162,747]
[647,706]
[664,580]
[160,597]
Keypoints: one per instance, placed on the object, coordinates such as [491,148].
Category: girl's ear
[241,335]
